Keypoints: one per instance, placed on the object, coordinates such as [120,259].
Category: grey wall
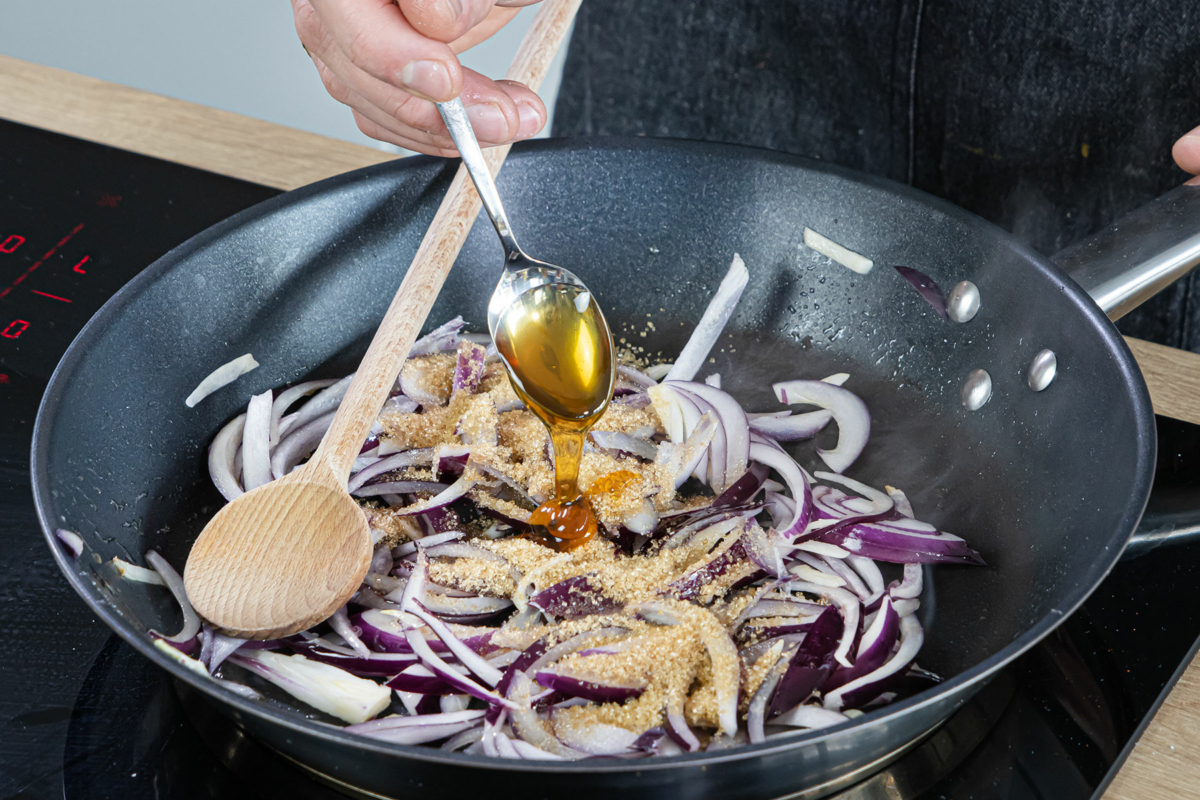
[238,55]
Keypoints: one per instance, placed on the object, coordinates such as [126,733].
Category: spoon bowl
[271,536]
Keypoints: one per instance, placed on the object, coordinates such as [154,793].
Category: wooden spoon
[285,556]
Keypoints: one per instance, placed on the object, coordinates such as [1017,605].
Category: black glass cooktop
[83,716]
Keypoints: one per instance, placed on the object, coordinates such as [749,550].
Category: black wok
[1048,486]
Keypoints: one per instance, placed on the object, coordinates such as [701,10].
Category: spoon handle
[444,239]
[455,117]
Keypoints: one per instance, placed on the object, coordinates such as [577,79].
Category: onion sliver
[221,376]
[850,413]
[831,249]
[712,323]
[792,428]
[221,458]
[794,477]
[288,396]
[256,442]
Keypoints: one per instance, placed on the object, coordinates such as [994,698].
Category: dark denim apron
[1048,117]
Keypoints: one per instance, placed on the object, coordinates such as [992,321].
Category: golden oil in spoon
[558,350]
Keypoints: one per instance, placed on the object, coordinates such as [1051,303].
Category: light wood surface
[254,150]
[1173,377]
[173,130]
[290,553]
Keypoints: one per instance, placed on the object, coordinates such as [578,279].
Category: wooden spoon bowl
[270,539]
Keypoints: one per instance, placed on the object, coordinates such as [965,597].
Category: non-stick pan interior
[1046,485]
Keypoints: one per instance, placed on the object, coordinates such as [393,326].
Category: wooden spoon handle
[440,247]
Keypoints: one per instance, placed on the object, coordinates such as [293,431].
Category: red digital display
[11,243]
[14,329]
[79,267]
[20,278]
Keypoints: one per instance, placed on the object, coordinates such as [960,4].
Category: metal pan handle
[1140,254]
[1122,267]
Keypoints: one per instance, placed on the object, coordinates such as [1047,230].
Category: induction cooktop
[84,716]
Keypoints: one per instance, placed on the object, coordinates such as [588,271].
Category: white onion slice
[712,323]
[221,376]
[849,412]
[831,249]
[132,572]
[222,458]
[256,442]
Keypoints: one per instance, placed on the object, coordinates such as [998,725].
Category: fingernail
[531,121]
[430,79]
[489,123]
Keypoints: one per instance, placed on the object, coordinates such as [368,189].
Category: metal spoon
[521,273]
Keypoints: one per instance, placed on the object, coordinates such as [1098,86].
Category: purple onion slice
[849,411]
[927,288]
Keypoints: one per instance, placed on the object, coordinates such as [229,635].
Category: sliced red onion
[460,550]
[408,458]
[399,487]
[298,443]
[836,252]
[902,541]
[376,665]
[418,382]
[876,645]
[866,688]
[593,689]
[636,377]
[409,548]
[851,414]
[846,603]
[468,370]
[871,574]
[714,380]
[837,378]
[624,443]
[823,549]
[812,717]
[761,550]
[289,396]
[927,288]
[323,402]
[734,424]
[132,572]
[466,656]
[340,622]
[712,323]
[596,738]
[796,481]
[221,376]
[443,337]
[901,501]
[322,686]
[792,428]
[744,489]
[529,726]
[756,713]
[461,683]
[383,631]
[849,576]
[469,717]
[690,585]
[186,640]
[221,458]
[450,460]
[677,728]
[810,663]
[416,678]
[456,491]
[573,598]
[463,740]
[910,585]
[877,502]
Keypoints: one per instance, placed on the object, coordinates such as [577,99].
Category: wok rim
[948,689]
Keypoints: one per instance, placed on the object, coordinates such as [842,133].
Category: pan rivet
[962,304]
[977,390]
[1043,370]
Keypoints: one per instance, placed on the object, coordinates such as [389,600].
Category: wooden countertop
[1165,762]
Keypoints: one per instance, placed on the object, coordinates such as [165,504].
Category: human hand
[389,60]
[1187,153]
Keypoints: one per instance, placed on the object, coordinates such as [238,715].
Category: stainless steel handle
[1140,254]
[455,117]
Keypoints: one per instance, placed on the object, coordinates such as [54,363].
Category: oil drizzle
[557,348]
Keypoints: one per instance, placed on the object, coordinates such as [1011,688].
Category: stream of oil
[558,350]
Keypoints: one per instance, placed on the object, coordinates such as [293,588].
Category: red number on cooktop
[11,243]
[79,267]
[15,329]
